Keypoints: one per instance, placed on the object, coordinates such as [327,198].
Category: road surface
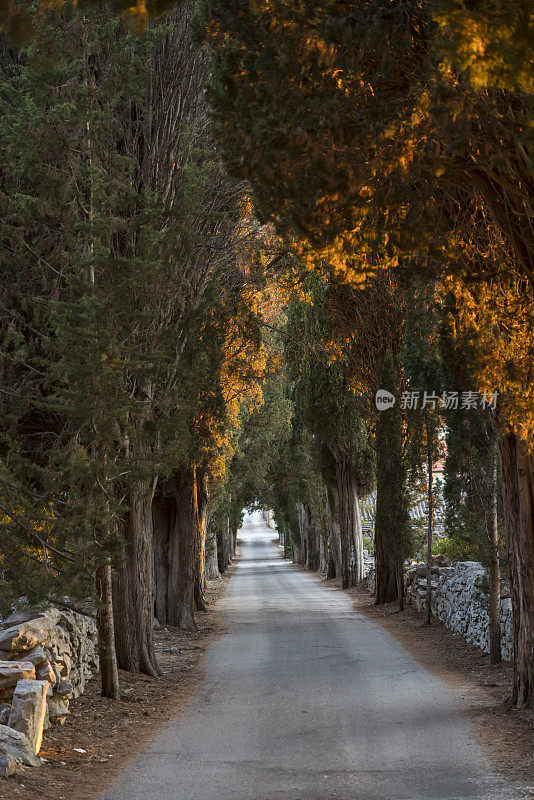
[305,699]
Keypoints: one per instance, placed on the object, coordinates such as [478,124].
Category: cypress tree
[332,409]
[393,540]
[424,378]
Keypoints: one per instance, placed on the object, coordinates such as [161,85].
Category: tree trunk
[309,538]
[233,542]
[385,573]
[430,528]
[323,552]
[281,534]
[334,543]
[109,672]
[107,653]
[295,538]
[212,561]
[314,545]
[331,567]
[164,524]
[301,553]
[494,577]
[350,528]
[183,551]
[133,589]
[202,496]
[220,547]
[517,475]
[400,585]
[224,545]
[175,533]
[288,549]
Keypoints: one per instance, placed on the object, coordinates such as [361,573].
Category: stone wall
[369,571]
[460,601]
[46,658]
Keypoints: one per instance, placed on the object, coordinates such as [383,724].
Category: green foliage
[255,473]
[419,524]
[61,353]
[369,132]
[120,291]
[421,358]
[325,400]
[392,520]
[471,477]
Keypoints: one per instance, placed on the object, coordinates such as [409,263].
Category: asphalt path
[306,699]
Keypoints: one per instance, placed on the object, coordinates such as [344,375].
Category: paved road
[305,699]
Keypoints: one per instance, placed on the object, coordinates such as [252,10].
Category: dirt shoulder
[110,733]
[505,733]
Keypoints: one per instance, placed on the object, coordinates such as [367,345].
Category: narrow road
[305,699]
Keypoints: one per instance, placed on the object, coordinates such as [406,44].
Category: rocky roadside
[460,593]
[83,756]
[46,658]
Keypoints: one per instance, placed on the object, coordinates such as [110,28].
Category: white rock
[46,721]
[17,617]
[15,744]
[58,709]
[11,672]
[45,672]
[64,689]
[57,673]
[5,710]
[68,639]
[460,601]
[14,639]
[28,711]
[36,655]
[9,766]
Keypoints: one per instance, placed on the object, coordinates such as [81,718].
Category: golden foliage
[497,320]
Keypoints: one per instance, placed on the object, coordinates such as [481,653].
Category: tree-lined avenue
[306,698]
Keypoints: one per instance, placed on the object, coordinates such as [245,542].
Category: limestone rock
[5,710]
[11,672]
[9,766]
[67,639]
[20,616]
[51,654]
[57,673]
[45,672]
[58,709]
[65,688]
[15,639]
[15,744]
[28,711]
[460,601]
[36,655]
